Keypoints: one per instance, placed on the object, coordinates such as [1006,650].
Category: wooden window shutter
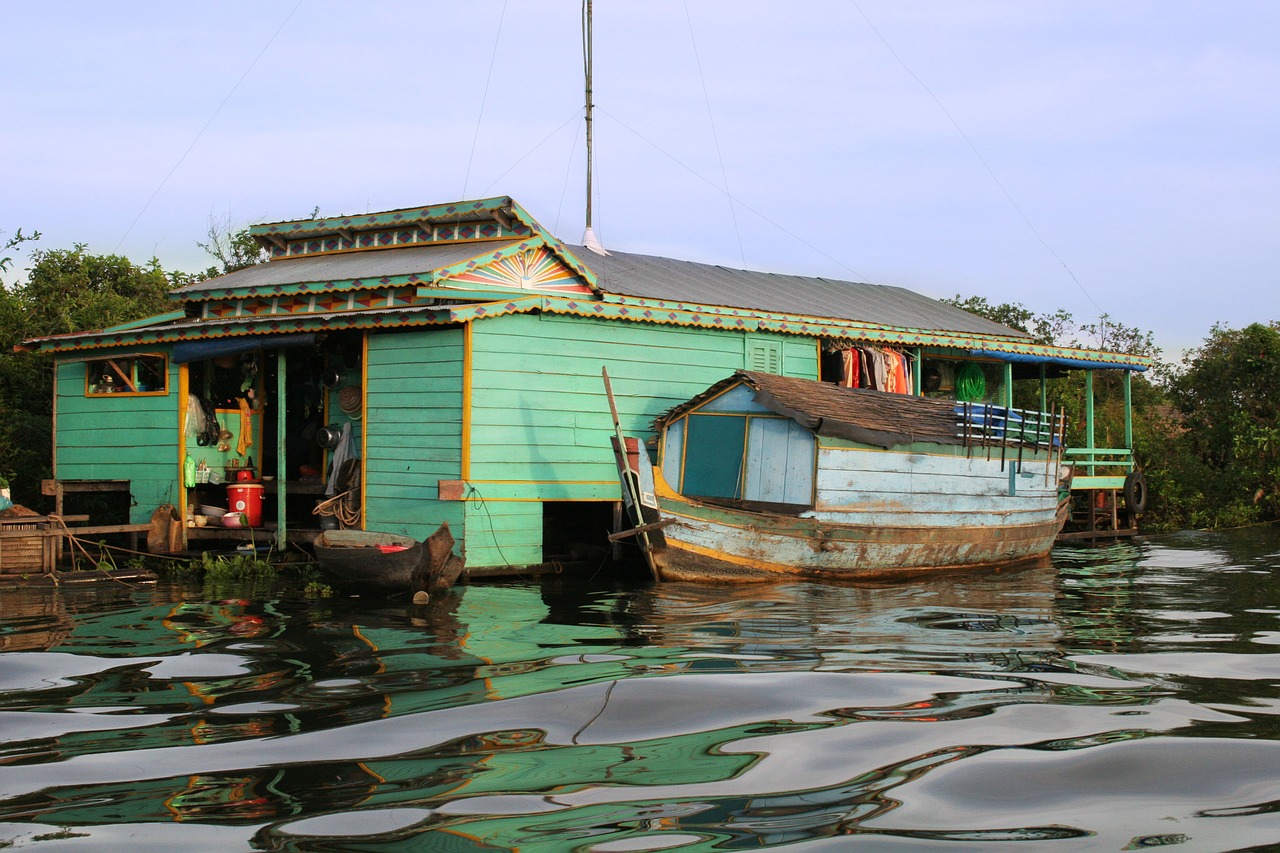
[764,354]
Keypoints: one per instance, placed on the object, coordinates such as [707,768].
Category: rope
[66,531]
[341,506]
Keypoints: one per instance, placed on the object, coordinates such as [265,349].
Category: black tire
[1135,493]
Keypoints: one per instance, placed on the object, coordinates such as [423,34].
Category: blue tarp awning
[185,351]
[1078,363]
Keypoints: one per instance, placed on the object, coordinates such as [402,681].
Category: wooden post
[282,467]
[1088,415]
[1044,389]
[1128,410]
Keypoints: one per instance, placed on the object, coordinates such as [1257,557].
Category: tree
[1228,400]
[14,242]
[1173,475]
[64,291]
[1012,314]
[233,250]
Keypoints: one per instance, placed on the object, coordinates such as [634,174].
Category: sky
[1118,158]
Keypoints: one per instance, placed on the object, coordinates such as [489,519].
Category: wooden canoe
[388,563]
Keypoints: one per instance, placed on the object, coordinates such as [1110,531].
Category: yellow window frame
[118,376]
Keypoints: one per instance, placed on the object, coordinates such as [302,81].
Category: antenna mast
[589,239]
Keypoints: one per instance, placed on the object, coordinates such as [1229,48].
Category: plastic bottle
[189,471]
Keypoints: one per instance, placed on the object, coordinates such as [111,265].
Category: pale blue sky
[1140,140]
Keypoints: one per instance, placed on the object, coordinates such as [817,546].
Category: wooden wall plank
[414,430]
[535,377]
[119,437]
[503,534]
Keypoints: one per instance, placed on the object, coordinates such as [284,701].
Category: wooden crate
[21,554]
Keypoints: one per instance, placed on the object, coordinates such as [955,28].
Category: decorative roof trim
[402,217]
[300,288]
[621,308]
[540,239]
[737,319]
[208,330]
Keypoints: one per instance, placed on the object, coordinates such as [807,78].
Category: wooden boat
[369,560]
[765,477]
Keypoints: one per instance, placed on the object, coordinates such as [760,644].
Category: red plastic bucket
[246,498]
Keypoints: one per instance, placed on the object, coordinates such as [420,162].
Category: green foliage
[1012,314]
[239,566]
[65,290]
[240,573]
[14,242]
[1206,434]
[1227,397]
[1068,392]
[233,250]
[317,589]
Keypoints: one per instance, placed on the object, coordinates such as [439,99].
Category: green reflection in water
[196,672]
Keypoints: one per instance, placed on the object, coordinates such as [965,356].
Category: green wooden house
[460,347]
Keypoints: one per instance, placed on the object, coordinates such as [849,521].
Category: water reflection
[1058,702]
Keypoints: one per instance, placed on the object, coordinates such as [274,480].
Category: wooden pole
[586,66]
[624,473]
[282,467]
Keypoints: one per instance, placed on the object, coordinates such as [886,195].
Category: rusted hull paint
[715,544]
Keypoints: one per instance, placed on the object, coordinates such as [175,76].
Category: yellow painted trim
[184,398]
[550,482]
[534,501]
[364,431]
[122,357]
[324,419]
[763,565]
[716,397]
[661,488]
[813,488]
[466,400]
[684,450]
[367,769]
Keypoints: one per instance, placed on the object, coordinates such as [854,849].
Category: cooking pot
[329,436]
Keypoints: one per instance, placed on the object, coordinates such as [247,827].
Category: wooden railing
[1099,467]
[983,424]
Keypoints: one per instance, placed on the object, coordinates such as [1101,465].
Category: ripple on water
[1124,697]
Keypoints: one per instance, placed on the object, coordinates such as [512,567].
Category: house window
[129,374]
[764,354]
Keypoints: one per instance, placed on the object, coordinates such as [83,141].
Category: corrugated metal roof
[639,276]
[347,266]
[707,284]
[214,328]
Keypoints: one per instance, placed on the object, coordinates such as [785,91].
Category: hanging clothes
[245,441]
[864,366]
[877,372]
[851,368]
[341,453]
[900,380]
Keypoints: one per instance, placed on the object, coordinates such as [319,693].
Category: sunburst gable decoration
[535,269]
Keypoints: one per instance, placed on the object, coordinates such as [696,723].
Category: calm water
[1125,697]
